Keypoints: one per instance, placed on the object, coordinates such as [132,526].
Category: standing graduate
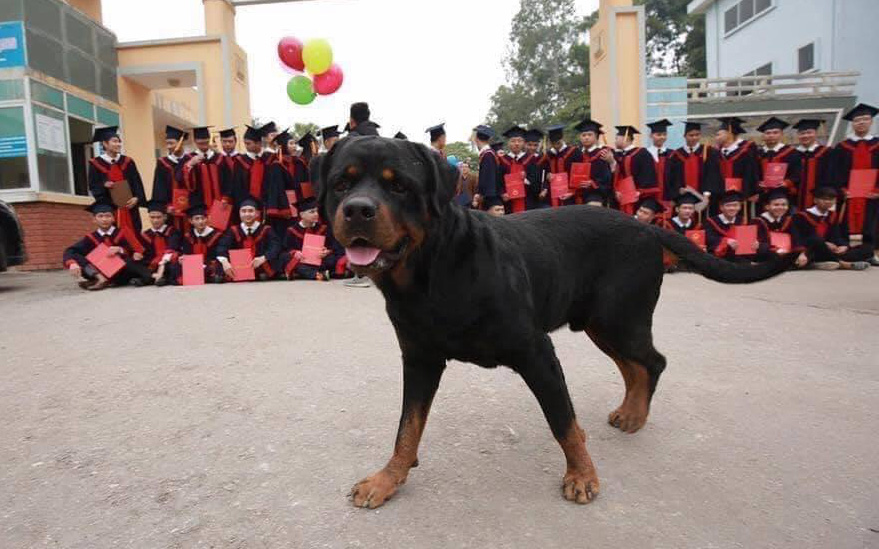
[774,150]
[165,180]
[250,169]
[268,132]
[860,151]
[258,237]
[637,163]
[489,169]
[825,237]
[536,169]
[204,240]
[329,136]
[590,152]
[228,152]
[660,153]
[514,161]
[560,156]
[302,164]
[119,243]
[279,180]
[201,173]
[738,158]
[163,243]
[694,166]
[816,162]
[113,167]
[359,121]
[438,138]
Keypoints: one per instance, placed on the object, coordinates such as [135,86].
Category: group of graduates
[215,200]
[806,197]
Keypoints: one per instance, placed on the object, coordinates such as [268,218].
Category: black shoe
[136,282]
[162,282]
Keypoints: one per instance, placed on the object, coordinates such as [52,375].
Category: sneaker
[874,261]
[358,282]
[859,265]
[86,284]
[825,266]
[161,282]
[327,275]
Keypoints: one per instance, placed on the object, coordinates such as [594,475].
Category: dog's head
[381,197]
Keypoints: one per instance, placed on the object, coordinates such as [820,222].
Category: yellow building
[62,73]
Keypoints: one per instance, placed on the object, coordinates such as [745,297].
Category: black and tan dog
[448,273]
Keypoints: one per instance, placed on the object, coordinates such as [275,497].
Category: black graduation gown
[293,242]
[717,233]
[262,242]
[741,163]
[536,168]
[100,171]
[249,178]
[77,252]
[599,170]
[674,225]
[158,243]
[638,164]
[816,170]
[279,180]
[203,180]
[815,231]
[789,156]
[490,176]
[766,225]
[861,213]
[699,170]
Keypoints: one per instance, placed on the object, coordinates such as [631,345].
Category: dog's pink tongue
[362,255]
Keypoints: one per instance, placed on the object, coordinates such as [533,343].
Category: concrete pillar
[219,18]
[138,129]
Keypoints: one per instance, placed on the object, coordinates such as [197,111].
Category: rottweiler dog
[448,273]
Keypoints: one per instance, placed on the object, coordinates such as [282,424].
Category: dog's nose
[359,209]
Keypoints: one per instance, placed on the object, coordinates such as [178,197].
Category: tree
[463,152]
[547,67]
[301,128]
[675,40]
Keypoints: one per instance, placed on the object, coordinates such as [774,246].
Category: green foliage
[675,40]
[464,152]
[301,128]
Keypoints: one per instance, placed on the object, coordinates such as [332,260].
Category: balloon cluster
[315,57]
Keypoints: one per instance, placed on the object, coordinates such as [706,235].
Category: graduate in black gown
[738,159]
[204,240]
[816,162]
[489,169]
[308,223]
[695,166]
[774,150]
[637,163]
[719,235]
[825,236]
[660,153]
[536,171]
[250,170]
[201,172]
[258,237]
[592,153]
[113,167]
[163,243]
[860,151]
[279,180]
[164,177]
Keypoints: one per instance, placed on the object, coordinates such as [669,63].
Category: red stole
[862,159]
[810,169]
[124,221]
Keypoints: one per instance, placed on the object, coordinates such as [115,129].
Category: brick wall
[48,229]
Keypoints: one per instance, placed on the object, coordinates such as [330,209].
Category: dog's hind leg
[540,369]
[421,377]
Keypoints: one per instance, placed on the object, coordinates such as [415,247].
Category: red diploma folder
[307,189]
[219,215]
[746,236]
[517,168]
[311,249]
[193,269]
[774,175]
[180,200]
[580,174]
[697,237]
[107,264]
[733,184]
[558,185]
[242,265]
[780,241]
[515,183]
[627,190]
[861,183]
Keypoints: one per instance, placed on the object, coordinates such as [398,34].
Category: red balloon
[290,53]
[330,81]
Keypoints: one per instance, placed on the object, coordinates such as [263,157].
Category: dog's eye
[397,187]
[342,185]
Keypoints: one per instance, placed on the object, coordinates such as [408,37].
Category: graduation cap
[203,132]
[594,194]
[690,126]
[400,135]
[533,135]
[225,134]
[484,132]
[271,127]
[497,146]
[776,193]
[731,196]
[197,209]
[329,131]
[252,134]
[651,204]
[436,131]
[492,201]
[860,110]
[826,192]
[306,204]
[306,140]
[175,133]
[105,134]
[514,131]
[100,207]
[628,131]
[555,132]
[660,126]
[588,125]
[156,206]
[283,138]
[687,198]
[732,124]
[772,123]
[250,201]
[808,124]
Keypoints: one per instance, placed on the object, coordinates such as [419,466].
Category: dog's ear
[441,181]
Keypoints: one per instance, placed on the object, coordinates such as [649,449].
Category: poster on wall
[11,45]
[13,146]
[50,134]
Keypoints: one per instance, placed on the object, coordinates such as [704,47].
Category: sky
[416,62]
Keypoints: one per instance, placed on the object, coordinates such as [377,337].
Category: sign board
[13,147]
[12,45]
[50,134]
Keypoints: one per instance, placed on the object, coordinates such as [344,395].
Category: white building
[785,37]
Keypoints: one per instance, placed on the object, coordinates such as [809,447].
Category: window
[743,12]
[51,136]
[806,58]
[81,152]
[763,70]
[13,149]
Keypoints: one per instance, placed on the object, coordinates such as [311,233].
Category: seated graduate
[686,212]
[308,224]
[494,205]
[649,211]
[204,240]
[774,222]
[251,234]
[163,243]
[719,230]
[119,245]
[595,197]
[825,236]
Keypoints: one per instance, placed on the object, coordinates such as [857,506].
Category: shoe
[825,266]
[136,282]
[162,282]
[327,275]
[874,261]
[358,282]
[859,265]
[86,284]
[99,285]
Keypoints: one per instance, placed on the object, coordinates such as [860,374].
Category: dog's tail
[718,269]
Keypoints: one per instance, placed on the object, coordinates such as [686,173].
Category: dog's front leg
[421,377]
[543,374]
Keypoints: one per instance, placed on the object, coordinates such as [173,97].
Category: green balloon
[300,90]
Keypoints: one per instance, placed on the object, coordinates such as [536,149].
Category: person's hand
[606,155]
[109,184]
[802,260]
[258,261]
[505,197]
[734,244]
[755,246]
[841,249]
[227,267]
[781,251]
[324,252]
[132,202]
[873,195]
[833,247]
[543,193]
[195,161]
[137,256]
[75,270]
[115,250]
[566,196]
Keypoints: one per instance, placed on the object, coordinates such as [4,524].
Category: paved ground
[148,418]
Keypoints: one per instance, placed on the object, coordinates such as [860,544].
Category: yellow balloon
[317,55]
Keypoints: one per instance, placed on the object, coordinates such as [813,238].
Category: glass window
[107,117]
[79,33]
[50,128]
[746,10]
[11,89]
[44,15]
[45,54]
[13,149]
[765,70]
[731,19]
[806,58]
[11,10]
[762,5]
[81,151]
[79,107]
[82,70]
[47,94]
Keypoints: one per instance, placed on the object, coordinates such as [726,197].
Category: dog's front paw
[628,419]
[580,486]
[376,489]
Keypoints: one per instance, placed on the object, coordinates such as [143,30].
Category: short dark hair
[826,192]
[360,112]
